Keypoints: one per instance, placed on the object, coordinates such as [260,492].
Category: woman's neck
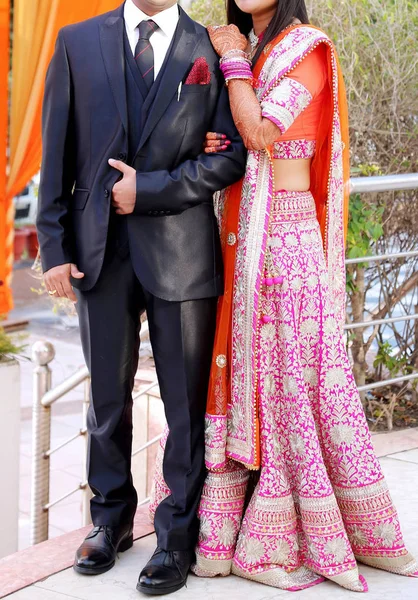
[261,21]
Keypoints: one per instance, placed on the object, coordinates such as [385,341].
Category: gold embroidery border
[401,565]
[279,578]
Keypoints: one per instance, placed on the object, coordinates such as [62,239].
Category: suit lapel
[111,41]
[184,44]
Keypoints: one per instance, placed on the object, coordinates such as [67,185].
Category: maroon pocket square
[199,74]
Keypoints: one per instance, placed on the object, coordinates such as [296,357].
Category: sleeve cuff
[285,103]
[50,260]
[145,207]
[276,118]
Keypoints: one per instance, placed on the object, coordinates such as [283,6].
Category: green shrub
[8,348]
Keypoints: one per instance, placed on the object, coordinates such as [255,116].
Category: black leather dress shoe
[166,572]
[97,554]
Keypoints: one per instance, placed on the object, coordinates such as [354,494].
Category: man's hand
[124,191]
[57,281]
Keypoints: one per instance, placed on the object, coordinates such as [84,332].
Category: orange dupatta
[220,377]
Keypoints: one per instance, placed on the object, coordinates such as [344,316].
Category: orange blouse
[311,73]
[295,106]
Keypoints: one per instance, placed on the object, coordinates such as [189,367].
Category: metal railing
[44,397]
[385,183]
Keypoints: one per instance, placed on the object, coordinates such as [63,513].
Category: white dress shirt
[166,20]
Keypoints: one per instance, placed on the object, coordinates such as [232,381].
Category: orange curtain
[6,240]
[35,27]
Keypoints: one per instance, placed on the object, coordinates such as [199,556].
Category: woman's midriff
[293,175]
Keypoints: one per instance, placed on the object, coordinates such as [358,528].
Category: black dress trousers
[182,335]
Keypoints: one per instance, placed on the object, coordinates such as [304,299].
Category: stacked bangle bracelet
[235,64]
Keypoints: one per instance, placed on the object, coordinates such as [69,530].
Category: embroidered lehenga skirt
[321,502]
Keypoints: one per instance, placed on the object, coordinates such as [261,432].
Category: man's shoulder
[203,35]
[191,23]
[87,26]
[199,28]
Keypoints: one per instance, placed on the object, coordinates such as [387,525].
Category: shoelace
[107,536]
[173,557]
[171,554]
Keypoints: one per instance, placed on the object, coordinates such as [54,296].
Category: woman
[282,398]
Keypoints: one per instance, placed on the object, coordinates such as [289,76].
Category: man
[126,217]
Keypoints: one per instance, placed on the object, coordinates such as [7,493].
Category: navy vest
[138,104]
[118,231]
[135,100]
[138,100]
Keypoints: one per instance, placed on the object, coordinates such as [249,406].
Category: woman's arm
[256,131]
[261,124]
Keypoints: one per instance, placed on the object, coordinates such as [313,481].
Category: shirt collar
[166,20]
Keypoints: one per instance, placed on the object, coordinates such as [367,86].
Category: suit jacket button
[122,156]
[106,193]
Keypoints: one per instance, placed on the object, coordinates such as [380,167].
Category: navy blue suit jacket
[173,233]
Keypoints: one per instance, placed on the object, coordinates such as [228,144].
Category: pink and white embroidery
[294,149]
[285,103]
[215,441]
[321,502]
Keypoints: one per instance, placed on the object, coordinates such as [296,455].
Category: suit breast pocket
[194,88]
[80,197]
[196,104]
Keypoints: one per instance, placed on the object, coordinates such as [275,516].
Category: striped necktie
[144,54]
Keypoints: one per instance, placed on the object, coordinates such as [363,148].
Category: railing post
[87,495]
[42,354]
[416,338]
[414,387]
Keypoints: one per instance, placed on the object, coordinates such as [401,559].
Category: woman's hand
[215,142]
[227,38]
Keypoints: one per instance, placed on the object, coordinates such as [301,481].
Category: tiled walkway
[401,470]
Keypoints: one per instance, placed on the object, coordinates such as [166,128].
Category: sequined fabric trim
[299,579]
[285,103]
[351,580]
[290,207]
[205,567]
[403,565]
[294,149]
